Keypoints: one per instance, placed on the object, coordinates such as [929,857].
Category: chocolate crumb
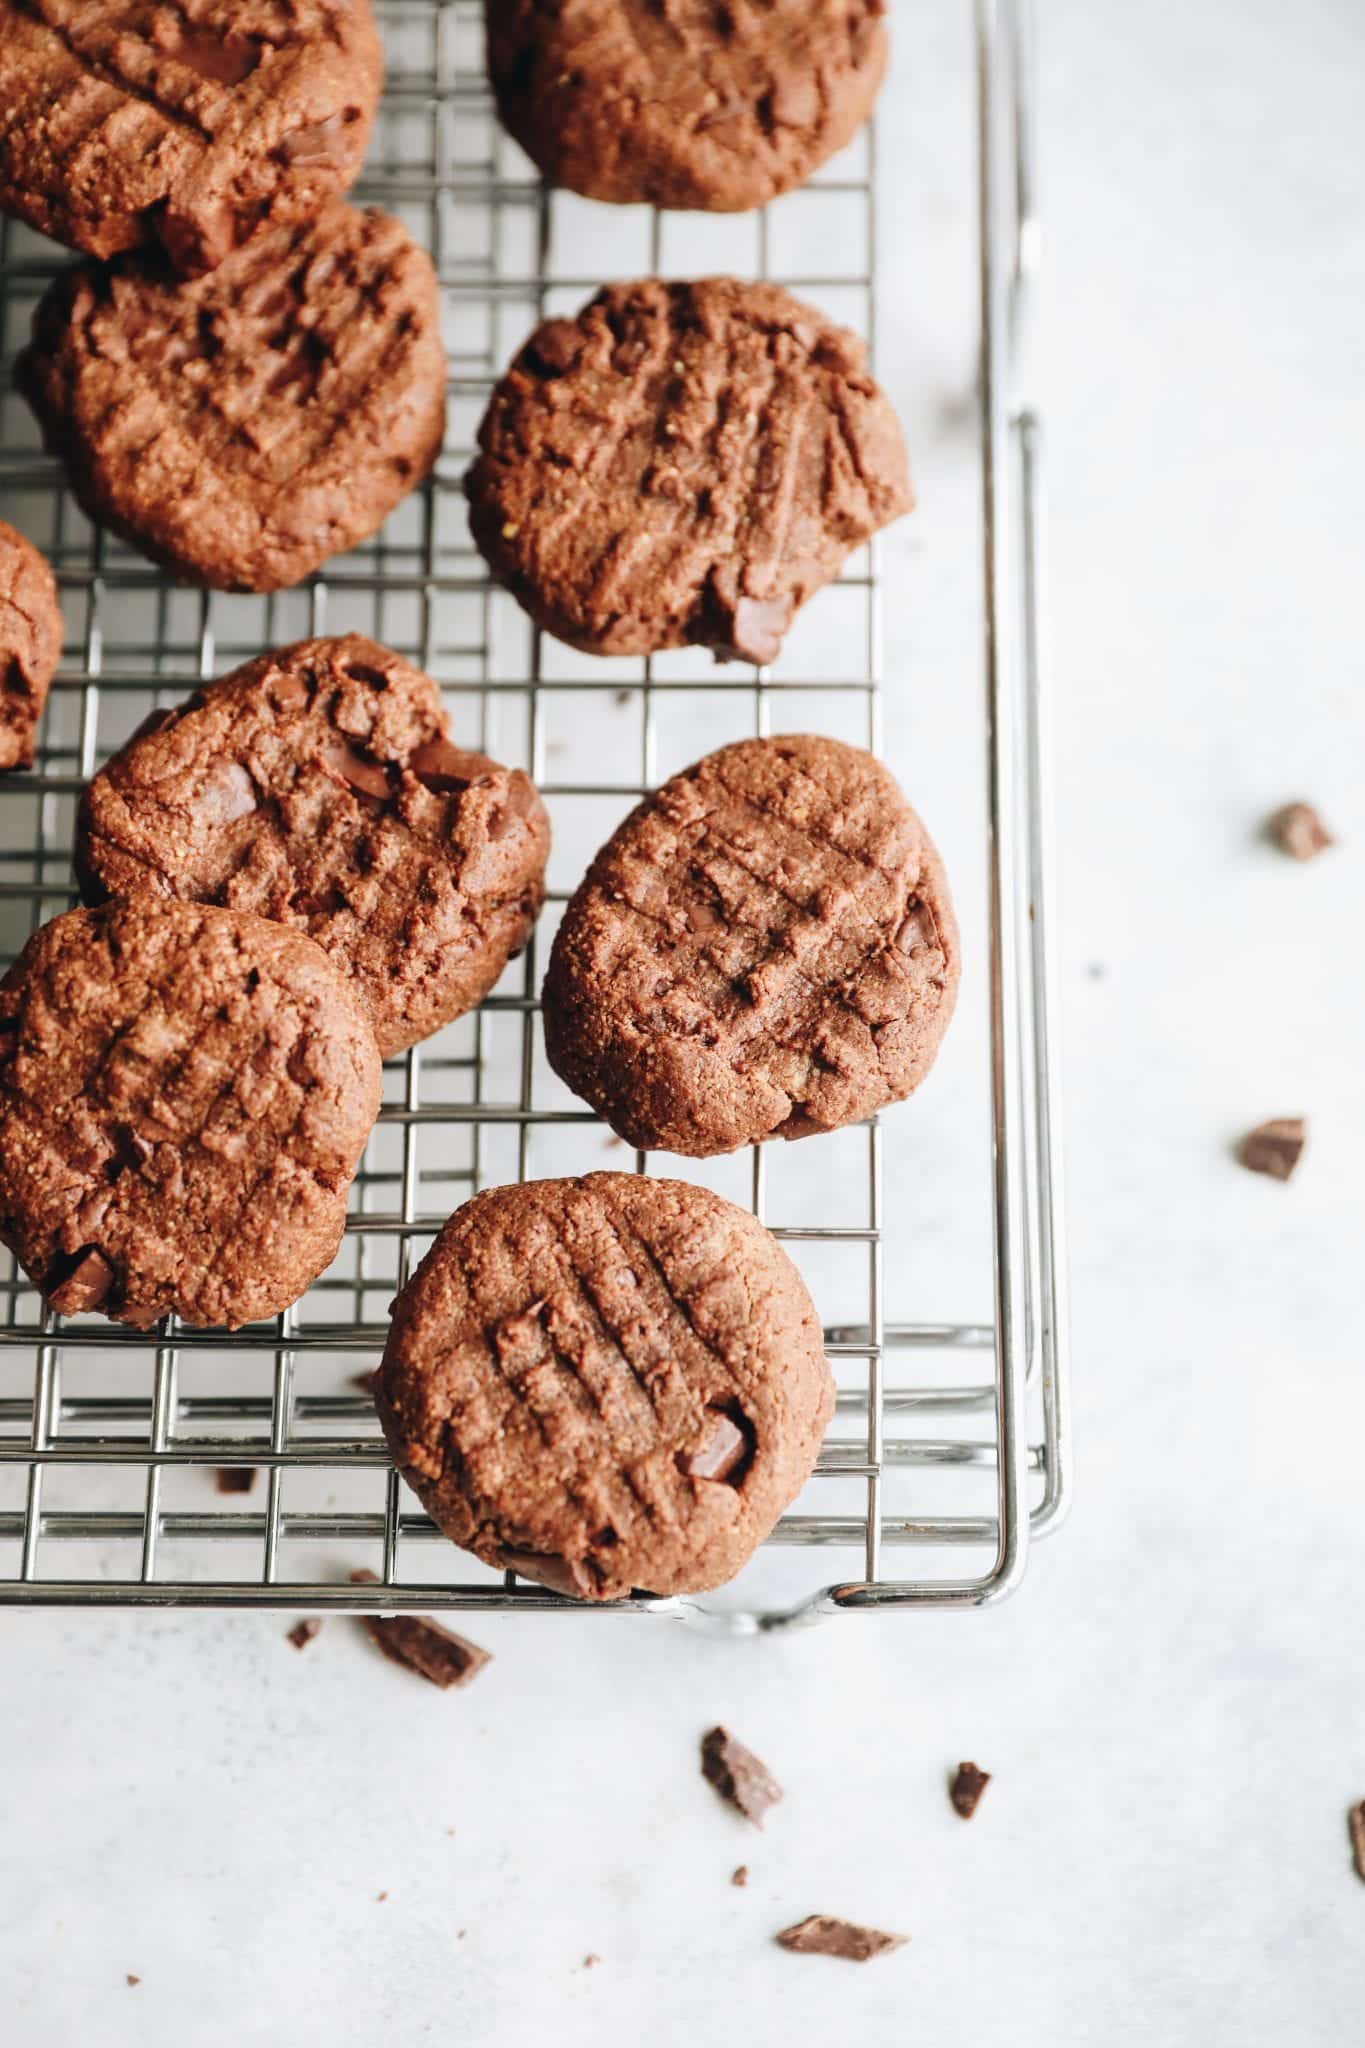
[131,1979]
[235,1478]
[1356,1821]
[967,1788]
[821,1935]
[738,1775]
[380,1897]
[740,1875]
[1298,830]
[422,1645]
[303,1631]
[1275,1147]
[591,1962]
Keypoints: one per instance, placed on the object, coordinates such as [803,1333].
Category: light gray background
[1174,1706]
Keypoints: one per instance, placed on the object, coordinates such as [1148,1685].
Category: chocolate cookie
[242,429]
[683,464]
[30,644]
[605,1384]
[184,1097]
[319,786]
[690,104]
[765,948]
[182,123]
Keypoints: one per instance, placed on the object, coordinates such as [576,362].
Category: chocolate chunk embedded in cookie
[606,1383]
[765,948]
[185,1094]
[688,105]
[127,123]
[30,644]
[683,464]
[319,786]
[242,429]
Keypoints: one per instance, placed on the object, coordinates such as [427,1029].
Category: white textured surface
[1174,1706]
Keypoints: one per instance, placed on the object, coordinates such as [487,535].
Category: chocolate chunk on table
[1275,1147]
[1298,830]
[823,1935]
[967,1788]
[422,1645]
[304,1630]
[738,1775]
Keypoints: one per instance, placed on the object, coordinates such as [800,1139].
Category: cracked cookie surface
[244,428]
[765,948]
[187,125]
[680,102]
[319,786]
[606,1383]
[30,644]
[185,1094]
[683,465]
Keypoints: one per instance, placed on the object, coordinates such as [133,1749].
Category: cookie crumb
[738,1775]
[304,1630]
[1274,1148]
[823,1935]
[966,1789]
[235,1478]
[1356,1822]
[130,1978]
[740,1875]
[590,1962]
[1298,830]
[380,1897]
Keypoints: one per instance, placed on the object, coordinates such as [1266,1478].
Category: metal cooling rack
[108,1440]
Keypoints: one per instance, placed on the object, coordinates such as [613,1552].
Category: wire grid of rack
[108,1439]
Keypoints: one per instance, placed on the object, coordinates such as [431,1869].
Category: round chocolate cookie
[125,123]
[691,104]
[683,464]
[185,1094]
[319,786]
[606,1384]
[242,429]
[30,644]
[765,948]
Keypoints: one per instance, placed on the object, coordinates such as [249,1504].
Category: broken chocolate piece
[344,764]
[740,1875]
[304,1630]
[821,1935]
[757,629]
[1356,1822]
[738,1775]
[235,1478]
[422,1645]
[967,1788]
[85,1287]
[448,769]
[721,1451]
[1274,1147]
[1298,830]
[565,1575]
